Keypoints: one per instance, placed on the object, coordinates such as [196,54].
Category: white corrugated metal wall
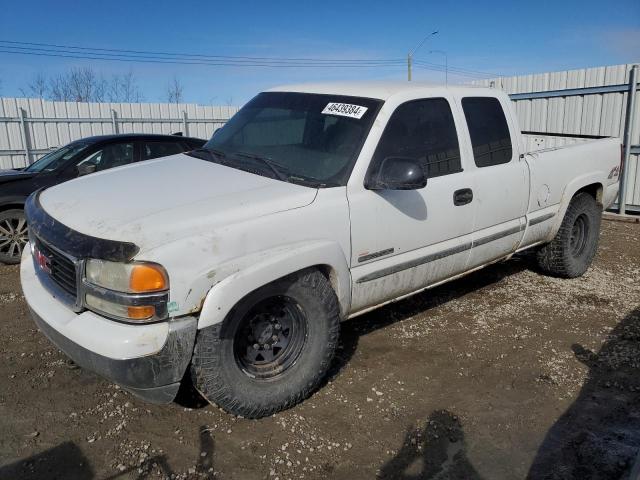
[597,114]
[53,124]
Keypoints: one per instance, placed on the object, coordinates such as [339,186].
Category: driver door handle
[462,197]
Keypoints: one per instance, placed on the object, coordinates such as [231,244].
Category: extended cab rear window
[489,131]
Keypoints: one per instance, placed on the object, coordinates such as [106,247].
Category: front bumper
[148,360]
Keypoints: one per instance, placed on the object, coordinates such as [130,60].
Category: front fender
[233,280]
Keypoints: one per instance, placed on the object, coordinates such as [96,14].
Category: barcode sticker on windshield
[344,110]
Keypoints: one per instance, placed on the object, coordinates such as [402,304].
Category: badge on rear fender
[344,110]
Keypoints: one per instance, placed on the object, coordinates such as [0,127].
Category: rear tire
[13,236]
[571,252]
[273,349]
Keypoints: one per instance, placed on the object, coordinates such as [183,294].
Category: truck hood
[157,201]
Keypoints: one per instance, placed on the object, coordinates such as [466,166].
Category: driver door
[405,240]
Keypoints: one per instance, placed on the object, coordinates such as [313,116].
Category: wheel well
[326,270]
[595,190]
[330,274]
[11,206]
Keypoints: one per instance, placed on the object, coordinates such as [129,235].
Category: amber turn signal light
[147,278]
[141,313]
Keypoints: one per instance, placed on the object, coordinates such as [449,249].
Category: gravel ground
[503,374]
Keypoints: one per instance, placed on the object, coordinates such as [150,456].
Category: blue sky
[502,36]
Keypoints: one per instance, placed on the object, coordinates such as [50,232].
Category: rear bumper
[147,360]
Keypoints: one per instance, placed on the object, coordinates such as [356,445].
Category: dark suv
[82,157]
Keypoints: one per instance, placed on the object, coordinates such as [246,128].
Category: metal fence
[30,127]
[561,108]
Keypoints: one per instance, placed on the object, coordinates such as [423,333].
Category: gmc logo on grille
[43,261]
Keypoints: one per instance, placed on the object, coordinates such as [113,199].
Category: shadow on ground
[67,462]
[436,451]
[64,461]
[599,435]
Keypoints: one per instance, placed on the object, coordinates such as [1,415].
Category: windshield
[57,158]
[303,138]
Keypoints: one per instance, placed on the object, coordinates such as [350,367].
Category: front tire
[571,252]
[13,236]
[273,349]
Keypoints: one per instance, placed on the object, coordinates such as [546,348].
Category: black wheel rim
[13,237]
[579,235]
[270,337]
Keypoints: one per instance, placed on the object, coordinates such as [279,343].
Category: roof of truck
[379,89]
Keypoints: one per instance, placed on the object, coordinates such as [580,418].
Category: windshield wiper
[284,173]
[209,151]
[280,171]
[209,154]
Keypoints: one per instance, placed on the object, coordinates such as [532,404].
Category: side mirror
[86,169]
[397,173]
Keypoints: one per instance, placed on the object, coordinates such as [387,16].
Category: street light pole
[446,64]
[410,55]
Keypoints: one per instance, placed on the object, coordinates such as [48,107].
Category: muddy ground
[501,375]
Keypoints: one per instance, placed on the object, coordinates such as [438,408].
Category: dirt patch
[503,374]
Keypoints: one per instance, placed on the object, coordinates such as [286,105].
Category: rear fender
[569,192]
[237,278]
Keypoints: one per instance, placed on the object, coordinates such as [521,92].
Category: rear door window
[424,131]
[160,149]
[489,131]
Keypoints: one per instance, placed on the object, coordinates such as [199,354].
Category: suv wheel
[13,236]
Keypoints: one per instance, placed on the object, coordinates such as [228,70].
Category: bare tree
[60,89]
[174,91]
[83,84]
[124,88]
[86,86]
[78,85]
[37,87]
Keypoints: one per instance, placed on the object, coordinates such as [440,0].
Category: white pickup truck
[232,266]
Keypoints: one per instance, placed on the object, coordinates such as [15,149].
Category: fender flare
[259,269]
[569,192]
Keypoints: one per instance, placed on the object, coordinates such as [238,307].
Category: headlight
[127,277]
[132,292]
